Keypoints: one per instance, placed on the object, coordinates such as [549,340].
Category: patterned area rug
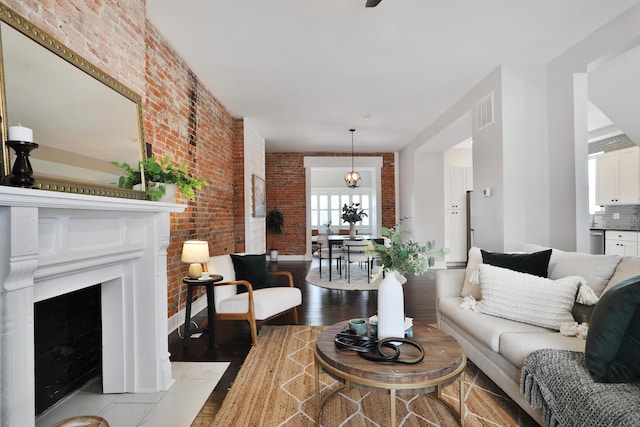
[275,387]
[358,278]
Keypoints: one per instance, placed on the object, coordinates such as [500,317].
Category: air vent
[484,112]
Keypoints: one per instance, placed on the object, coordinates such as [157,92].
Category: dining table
[337,240]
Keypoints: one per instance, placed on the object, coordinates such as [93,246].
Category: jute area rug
[275,387]
[358,280]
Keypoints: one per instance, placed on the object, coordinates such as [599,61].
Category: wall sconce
[196,254]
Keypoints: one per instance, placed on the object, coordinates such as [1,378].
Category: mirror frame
[31,31]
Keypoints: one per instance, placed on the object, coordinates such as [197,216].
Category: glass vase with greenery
[403,255]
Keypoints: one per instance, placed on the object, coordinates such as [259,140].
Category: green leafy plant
[275,222]
[161,172]
[133,177]
[353,213]
[404,255]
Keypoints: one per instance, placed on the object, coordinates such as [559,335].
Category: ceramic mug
[359,326]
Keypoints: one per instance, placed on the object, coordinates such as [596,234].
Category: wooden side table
[211,309]
[444,363]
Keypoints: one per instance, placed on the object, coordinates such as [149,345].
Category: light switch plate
[616,215]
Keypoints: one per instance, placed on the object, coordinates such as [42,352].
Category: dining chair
[324,252]
[356,251]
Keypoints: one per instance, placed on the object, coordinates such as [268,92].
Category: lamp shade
[196,254]
[195,251]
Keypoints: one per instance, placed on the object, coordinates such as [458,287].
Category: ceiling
[305,72]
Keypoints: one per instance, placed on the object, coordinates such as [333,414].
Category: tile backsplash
[629,218]
[614,143]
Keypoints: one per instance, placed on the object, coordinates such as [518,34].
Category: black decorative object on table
[22,173]
[371,348]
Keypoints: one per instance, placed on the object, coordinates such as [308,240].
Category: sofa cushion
[613,342]
[526,298]
[473,261]
[516,346]
[253,269]
[628,267]
[486,329]
[534,263]
[595,269]
[266,302]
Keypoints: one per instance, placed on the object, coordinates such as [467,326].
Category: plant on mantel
[161,172]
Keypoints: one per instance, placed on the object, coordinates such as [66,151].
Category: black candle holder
[22,171]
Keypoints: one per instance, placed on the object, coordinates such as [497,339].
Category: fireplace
[57,243]
[68,343]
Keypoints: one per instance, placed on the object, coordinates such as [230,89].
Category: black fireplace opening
[68,344]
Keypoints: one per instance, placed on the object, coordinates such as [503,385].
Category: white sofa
[499,346]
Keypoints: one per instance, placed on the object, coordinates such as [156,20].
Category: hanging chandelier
[352,178]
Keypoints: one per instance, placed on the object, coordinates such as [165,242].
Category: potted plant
[352,214]
[275,222]
[161,175]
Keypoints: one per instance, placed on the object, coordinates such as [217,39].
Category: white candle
[20,133]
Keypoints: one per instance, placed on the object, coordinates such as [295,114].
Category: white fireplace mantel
[55,243]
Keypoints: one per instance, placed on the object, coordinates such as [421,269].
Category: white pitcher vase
[352,230]
[390,307]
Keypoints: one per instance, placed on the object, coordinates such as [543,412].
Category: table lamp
[195,253]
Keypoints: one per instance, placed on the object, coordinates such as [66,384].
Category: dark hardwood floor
[319,307]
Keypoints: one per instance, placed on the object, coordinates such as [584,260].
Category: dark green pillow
[536,263]
[613,343]
[253,269]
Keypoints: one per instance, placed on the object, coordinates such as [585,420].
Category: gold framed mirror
[82,119]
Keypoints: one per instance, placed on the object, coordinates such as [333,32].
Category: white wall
[254,159]
[487,214]
[534,157]
[428,223]
[569,226]
[453,126]
[525,156]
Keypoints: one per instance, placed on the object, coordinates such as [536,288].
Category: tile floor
[175,407]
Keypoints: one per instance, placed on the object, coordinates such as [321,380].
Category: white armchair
[255,305]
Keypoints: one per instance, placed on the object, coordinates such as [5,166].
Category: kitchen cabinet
[618,177]
[455,235]
[623,243]
[457,181]
[456,184]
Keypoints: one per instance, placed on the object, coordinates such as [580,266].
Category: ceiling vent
[484,112]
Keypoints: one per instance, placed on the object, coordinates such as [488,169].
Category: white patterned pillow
[526,298]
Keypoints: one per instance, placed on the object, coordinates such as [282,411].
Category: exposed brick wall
[181,118]
[238,169]
[184,121]
[108,33]
[285,182]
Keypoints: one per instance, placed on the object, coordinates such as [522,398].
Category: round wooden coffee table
[444,362]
